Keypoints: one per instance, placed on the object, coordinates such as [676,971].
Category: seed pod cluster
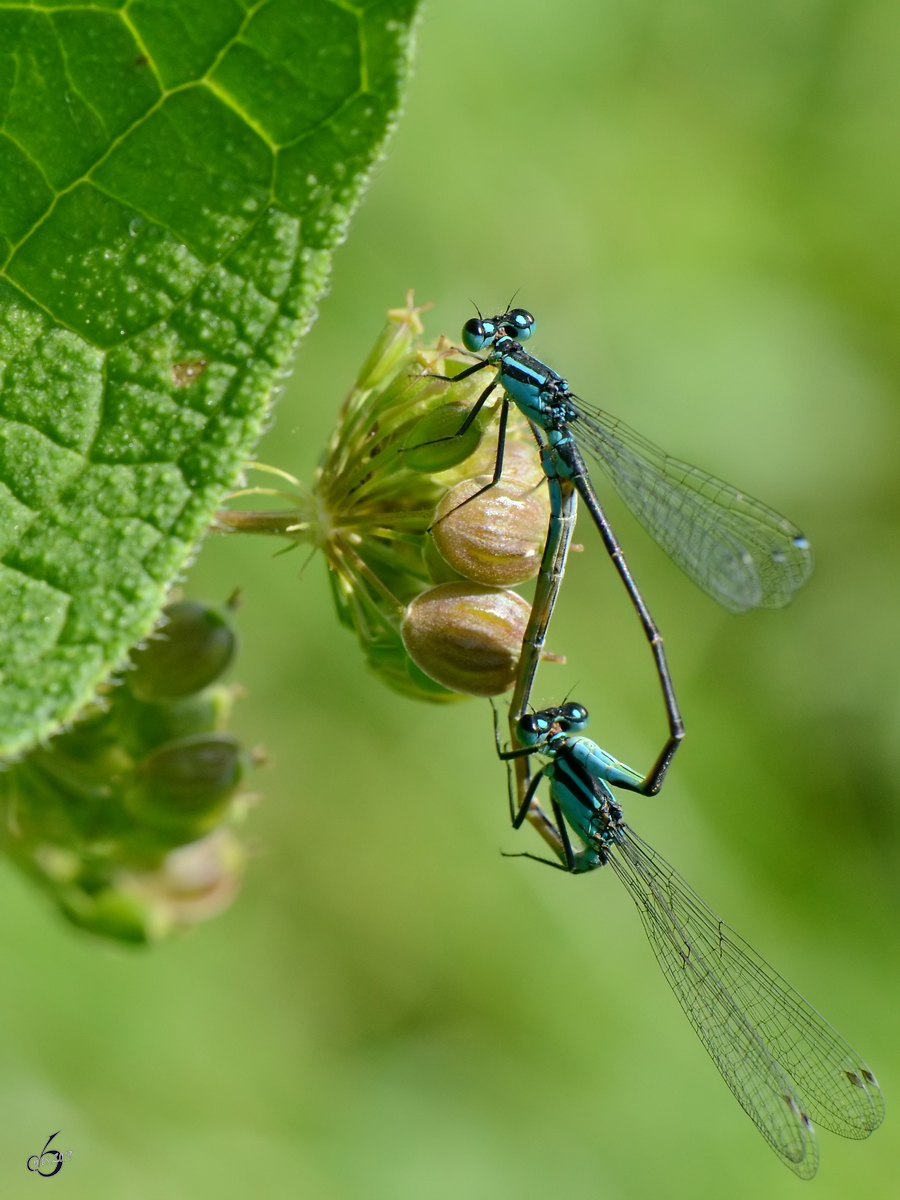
[126,818]
[386,509]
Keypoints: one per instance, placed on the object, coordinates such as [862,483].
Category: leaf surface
[174,175]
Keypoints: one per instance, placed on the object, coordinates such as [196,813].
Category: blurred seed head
[120,819]
[194,883]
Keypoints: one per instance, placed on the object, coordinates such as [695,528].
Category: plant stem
[280,524]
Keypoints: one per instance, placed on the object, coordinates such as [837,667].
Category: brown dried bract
[186,373]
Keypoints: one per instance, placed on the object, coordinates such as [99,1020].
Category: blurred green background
[699,201]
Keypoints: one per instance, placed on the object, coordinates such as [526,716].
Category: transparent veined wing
[740,552]
[784,1063]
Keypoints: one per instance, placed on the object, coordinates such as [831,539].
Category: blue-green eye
[520,323]
[532,727]
[572,717]
[476,334]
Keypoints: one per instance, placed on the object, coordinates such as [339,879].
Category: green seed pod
[498,538]
[113,914]
[393,346]
[467,636]
[191,650]
[186,785]
[427,450]
[142,727]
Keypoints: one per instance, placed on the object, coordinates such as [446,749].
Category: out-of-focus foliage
[698,202]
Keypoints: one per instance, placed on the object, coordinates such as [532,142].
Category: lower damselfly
[786,1066]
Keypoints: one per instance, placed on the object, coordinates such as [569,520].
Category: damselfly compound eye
[521,322]
[476,335]
[572,717]
[532,728]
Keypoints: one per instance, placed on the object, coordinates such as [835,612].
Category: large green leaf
[173,177]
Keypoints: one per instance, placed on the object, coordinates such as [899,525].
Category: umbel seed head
[396,452]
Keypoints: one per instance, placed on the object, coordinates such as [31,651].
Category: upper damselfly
[740,552]
[786,1066]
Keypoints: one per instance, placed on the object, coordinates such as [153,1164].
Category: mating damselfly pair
[784,1063]
[736,549]
[384,482]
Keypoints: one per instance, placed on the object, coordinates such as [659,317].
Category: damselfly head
[566,718]
[480,332]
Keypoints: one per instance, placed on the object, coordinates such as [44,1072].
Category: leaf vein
[74,88]
[227,98]
[165,93]
[141,45]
